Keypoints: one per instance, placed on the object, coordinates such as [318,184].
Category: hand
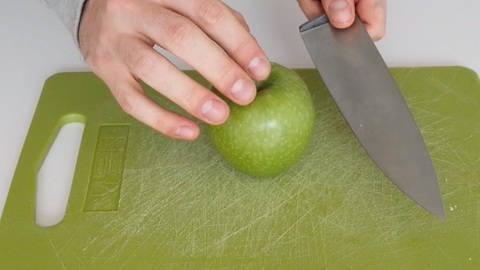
[342,13]
[117,39]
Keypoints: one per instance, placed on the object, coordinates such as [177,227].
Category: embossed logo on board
[107,171]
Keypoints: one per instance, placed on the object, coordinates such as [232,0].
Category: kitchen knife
[368,97]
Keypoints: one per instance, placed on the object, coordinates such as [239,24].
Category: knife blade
[367,95]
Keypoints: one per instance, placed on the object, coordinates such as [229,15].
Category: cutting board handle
[22,194]
[72,106]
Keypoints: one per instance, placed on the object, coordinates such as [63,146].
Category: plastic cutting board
[142,201]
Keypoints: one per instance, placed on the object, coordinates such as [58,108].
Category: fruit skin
[268,136]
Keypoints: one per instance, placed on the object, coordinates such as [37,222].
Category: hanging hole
[55,177]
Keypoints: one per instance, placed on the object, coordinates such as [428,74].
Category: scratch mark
[287,230]
[57,254]
[228,236]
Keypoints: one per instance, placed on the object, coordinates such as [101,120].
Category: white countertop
[34,45]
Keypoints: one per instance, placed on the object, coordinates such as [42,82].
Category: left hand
[341,13]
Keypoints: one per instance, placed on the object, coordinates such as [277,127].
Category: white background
[34,45]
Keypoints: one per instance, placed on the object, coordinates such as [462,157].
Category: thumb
[341,13]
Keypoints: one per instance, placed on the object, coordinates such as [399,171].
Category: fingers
[240,18]
[217,21]
[186,40]
[156,71]
[341,13]
[116,39]
[135,102]
[130,96]
[373,14]
[228,30]
[311,8]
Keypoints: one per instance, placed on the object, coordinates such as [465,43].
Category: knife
[365,92]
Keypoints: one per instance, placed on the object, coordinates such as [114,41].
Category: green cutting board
[140,200]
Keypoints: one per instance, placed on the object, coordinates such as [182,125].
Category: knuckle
[99,61]
[179,35]
[131,58]
[126,99]
[242,20]
[131,106]
[243,42]
[115,6]
[139,61]
[127,105]
[226,77]
[189,98]
[145,65]
[159,123]
[211,12]
[102,56]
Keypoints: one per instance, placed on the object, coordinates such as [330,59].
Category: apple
[268,136]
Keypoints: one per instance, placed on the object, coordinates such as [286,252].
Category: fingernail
[243,91]
[185,132]
[259,68]
[340,11]
[214,111]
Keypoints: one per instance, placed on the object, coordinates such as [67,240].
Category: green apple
[268,136]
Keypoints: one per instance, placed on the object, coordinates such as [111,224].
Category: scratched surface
[139,200]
